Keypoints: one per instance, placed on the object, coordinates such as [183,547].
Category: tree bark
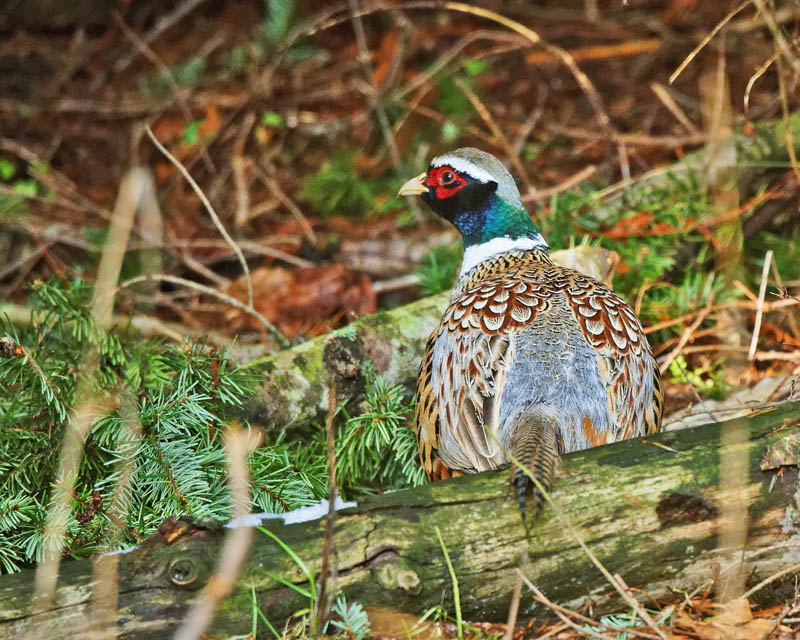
[648,509]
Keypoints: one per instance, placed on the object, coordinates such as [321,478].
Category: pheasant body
[531,359]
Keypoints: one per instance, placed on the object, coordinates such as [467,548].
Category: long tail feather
[535,448]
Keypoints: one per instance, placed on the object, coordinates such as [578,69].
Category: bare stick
[323,606]
[161,25]
[762,291]
[782,45]
[544,194]
[557,610]
[759,72]
[516,596]
[497,132]
[790,569]
[787,125]
[274,186]
[210,210]
[78,427]
[164,70]
[669,102]
[163,277]
[239,442]
[706,40]
[377,104]
[687,335]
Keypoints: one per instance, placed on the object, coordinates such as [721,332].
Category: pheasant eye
[447,178]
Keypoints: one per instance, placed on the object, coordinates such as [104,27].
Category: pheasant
[531,359]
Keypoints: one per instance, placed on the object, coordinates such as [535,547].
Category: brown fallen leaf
[312,301]
[734,621]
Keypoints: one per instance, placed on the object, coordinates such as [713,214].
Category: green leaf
[272,119]
[278,19]
[7,169]
[192,132]
[476,67]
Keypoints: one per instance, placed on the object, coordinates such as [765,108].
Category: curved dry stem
[207,204]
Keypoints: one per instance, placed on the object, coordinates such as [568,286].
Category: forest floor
[299,121]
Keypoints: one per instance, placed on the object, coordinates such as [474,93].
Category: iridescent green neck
[496,218]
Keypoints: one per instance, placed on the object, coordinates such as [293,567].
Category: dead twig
[163,277]
[165,72]
[789,56]
[762,291]
[546,194]
[161,25]
[374,93]
[622,591]
[787,125]
[274,186]
[239,443]
[211,212]
[688,59]
[322,603]
[86,403]
[497,132]
[687,335]
[669,102]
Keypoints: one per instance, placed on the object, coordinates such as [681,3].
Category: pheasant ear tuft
[492,185]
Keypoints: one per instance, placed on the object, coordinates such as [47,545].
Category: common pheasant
[531,359]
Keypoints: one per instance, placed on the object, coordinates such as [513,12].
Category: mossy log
[649,510]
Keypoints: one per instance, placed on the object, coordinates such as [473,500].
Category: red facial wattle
[445,181]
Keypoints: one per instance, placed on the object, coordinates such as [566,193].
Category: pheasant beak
[415,186]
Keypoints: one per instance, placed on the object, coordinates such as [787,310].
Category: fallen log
[649,510]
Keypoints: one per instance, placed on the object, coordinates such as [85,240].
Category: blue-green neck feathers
[495,218]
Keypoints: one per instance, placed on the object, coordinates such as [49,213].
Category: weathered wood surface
[648,512]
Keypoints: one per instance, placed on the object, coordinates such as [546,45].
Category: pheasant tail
[535,448]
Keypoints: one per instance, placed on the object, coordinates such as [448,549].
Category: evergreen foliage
[159,416]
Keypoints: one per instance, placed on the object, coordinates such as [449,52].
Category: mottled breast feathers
[522,331]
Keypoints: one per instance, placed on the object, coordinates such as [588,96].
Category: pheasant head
[475,192]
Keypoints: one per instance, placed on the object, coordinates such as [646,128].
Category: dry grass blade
[86,403]
[558,611]
[668,101]
[581,78]
[775,576]
[497,132]
[752,81]
[163,277]
[762,291]
[239,443]
[706,40]
[211,212]
[787,125]
[545,194]
[783,46]
[687,335]
[324,599]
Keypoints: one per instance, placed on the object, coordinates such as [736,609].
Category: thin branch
[163,277]
[210,210]
[762,291]
[239,443]
[322,603]
[782,45]
[161,25]
[706,40]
